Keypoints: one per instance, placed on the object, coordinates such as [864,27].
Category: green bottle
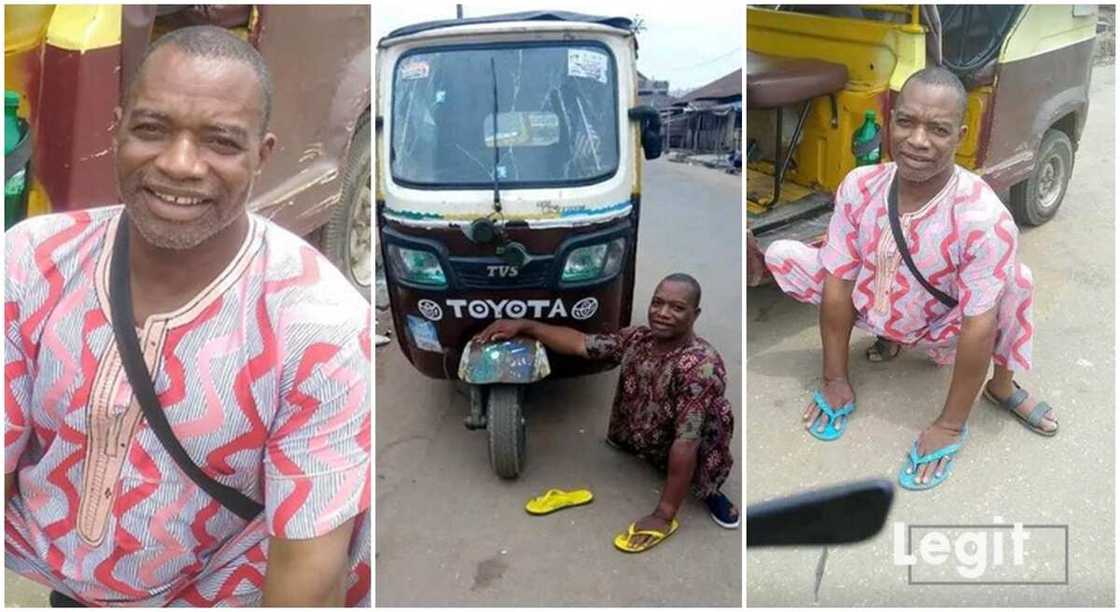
[15,187]
[865,142]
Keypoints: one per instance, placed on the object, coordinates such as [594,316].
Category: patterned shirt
[264,377]
[963,241]
[662,398]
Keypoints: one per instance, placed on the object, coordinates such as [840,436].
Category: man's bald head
[212,42]
[693,284]
[936,76]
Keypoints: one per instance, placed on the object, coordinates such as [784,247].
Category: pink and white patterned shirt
[963,241]
[264,377]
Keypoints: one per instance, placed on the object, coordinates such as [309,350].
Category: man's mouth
[174,198]
[914,160]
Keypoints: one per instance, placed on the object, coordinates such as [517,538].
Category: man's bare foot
[1049,422]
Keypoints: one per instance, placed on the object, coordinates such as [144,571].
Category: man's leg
[797,270]
[1012,351]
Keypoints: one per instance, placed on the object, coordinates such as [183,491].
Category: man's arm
[974,353]
[563,340]
[837,317]
[9,486]
[683,455]
[309,573]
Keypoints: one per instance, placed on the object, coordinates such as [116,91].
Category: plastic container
[865,142]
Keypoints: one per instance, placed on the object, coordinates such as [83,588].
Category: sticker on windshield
[587,64]
[414,69]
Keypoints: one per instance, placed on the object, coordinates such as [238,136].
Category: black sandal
[883,350]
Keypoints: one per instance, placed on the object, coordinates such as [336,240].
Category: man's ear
[268,142]
[115,126]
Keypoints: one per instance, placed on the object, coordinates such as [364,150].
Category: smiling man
[962,240]
[257,349]
[669,407]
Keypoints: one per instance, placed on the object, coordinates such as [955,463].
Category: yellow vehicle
[814,72]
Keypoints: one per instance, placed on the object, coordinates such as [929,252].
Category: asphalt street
[1004,470]
[450,532]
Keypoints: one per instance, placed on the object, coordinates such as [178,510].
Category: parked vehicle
[508,186]
[813,72]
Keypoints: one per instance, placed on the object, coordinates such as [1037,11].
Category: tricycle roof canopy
[621,23]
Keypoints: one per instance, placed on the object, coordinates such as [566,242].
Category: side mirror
[650,129]
[842,514]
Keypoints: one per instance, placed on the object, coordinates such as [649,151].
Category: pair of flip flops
[907,476]
[557,499]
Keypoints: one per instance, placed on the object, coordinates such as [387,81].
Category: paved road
[449,531]
[1004,470]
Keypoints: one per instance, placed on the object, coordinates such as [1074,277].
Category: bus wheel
[506,428]
[347,237]
[1036,200]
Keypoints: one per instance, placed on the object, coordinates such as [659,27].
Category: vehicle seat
[774,81]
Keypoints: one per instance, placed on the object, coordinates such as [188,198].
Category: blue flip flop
[907,476]
[831,432]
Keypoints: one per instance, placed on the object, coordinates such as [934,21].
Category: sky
[687,47]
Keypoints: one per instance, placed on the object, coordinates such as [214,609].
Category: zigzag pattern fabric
[264,378]
[963,241]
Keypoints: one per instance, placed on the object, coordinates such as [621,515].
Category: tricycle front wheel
[506,428]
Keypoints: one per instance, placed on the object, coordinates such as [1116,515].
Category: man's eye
[225,145]
[147,128]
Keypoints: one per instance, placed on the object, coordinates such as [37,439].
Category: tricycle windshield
[557,119]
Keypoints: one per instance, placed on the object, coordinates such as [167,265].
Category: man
[669,407]
[258,350]
[963,242]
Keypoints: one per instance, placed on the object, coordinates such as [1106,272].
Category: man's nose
[918,138]
[181,160]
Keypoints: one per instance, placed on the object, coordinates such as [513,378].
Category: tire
[506,429]
[347,236]
[1036,200]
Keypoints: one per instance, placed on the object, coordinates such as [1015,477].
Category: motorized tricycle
[508,186]
[814,73]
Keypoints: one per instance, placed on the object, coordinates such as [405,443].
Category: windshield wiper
[494,80]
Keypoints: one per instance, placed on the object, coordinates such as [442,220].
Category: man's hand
[837,392]
[503,329]
[309,573]
[649,523]
[937,435]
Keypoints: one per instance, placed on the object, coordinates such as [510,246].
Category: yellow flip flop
[556,499]
[622,540]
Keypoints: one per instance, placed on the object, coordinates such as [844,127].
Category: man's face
[925,131]
[671,312]
[188,146]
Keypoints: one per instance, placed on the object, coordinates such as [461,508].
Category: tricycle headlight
[417,266]
[594,261]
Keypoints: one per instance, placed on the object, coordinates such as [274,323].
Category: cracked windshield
[556,120]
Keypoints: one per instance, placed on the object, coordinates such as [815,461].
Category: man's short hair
[936,75]
[218,43]
[693,284]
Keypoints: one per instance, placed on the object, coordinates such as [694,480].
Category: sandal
[907,476]
[622,540]
[831,431]
[555,499]
[1033,421]
[883,350]
[722,510]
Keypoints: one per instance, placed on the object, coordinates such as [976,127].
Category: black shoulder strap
[120,298]
[900,240]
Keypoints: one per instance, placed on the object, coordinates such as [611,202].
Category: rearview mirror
[650,128]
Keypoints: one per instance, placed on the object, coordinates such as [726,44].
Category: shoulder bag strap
[120,298]
[900,240]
